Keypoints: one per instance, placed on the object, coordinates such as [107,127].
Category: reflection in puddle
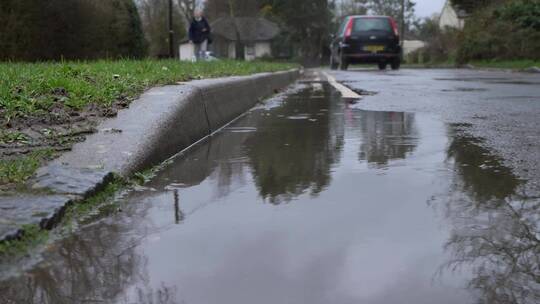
[461,89]
[472,79]
[298,117]
[275,210]
[239,130]
[493,80]
[495,230]
[386,136]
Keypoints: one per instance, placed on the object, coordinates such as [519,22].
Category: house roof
[249,28]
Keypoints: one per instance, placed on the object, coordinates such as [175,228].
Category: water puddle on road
[341,206]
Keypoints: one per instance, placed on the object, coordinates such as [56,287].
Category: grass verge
[37,88]
[32,237]
[507,64]
[13,171]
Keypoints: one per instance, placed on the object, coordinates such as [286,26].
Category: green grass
[8,137]
[507,64]
[13,171]
[79,212]
[33,88]
[450,62]
[32,236]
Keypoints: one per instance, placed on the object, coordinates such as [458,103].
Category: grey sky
[425,8]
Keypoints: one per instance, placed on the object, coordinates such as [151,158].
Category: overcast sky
[425,8]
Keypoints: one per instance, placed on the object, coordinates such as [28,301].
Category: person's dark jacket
[199,30]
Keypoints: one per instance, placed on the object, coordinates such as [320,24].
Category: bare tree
[188,7]
[154,15]
[351,7]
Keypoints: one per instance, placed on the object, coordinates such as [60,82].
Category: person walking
[199,34]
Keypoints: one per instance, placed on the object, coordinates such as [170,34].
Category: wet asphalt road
[501,109]
[399,198]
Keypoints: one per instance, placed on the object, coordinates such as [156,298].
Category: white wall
[249,52]
[232,50]
[410,46]
[187,51]
[257,50]
[449,18]
[263,49]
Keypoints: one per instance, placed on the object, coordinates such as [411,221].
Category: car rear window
[371,24]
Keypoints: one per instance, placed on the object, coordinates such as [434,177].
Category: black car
[366,39]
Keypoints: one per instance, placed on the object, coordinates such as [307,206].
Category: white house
[451,17]
[246,38]
[410,46]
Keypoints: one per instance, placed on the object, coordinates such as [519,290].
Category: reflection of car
[366,39]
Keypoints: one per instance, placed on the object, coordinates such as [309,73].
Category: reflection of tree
[219,158]
[163,295]
[287,156]
[480,173]
[386,136]
[495,231]
[95,265]
[88,269]
[290,156]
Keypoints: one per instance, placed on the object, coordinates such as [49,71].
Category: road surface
[425,191]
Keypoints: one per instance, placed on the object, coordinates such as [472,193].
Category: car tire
[343,63]
[396,64]
[382,66]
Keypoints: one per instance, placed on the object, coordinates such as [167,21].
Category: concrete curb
[162,122]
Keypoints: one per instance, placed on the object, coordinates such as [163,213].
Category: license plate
[374,48]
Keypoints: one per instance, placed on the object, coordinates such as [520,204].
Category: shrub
[441,44]
[76,29]
[502,31]
[441,47]
[413,58]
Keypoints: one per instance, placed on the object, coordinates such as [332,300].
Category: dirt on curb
[53,132]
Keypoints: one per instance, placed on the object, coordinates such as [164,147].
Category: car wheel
[343,63]
[396,64]
[382,66]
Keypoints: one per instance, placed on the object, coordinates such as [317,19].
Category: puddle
[298,117]
[363,92]
[240,130]
[517,82]
[355,207]
[494,80]
[472,79]
[465,90]
[516,97]
[494,230]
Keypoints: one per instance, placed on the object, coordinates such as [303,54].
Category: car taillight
[394,26]
[348,29]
